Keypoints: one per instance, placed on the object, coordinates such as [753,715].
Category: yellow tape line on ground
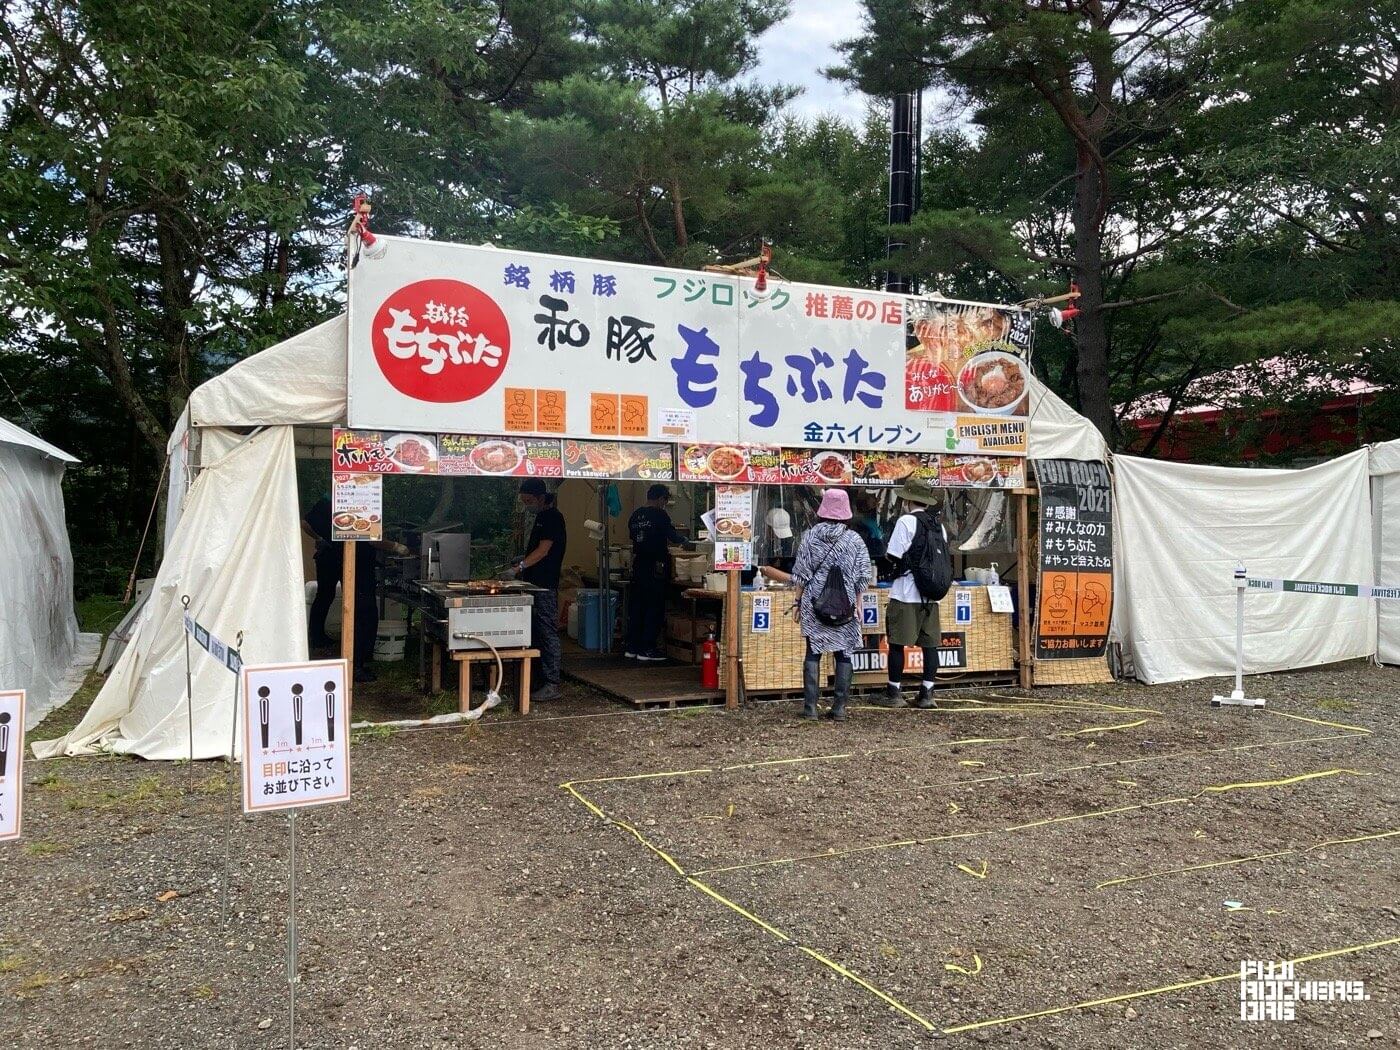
[1320,721]
[1107,729]
[895,1003]
[1244,860]
[1199,982]
[932,839]
[766,927]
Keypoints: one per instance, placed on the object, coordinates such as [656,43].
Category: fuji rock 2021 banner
[477,340]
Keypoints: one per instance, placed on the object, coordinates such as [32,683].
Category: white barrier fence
[1245,582]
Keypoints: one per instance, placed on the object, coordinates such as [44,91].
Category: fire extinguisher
[709,662]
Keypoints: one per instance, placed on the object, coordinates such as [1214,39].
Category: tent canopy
[38,628]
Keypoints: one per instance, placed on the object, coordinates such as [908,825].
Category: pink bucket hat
[836,506]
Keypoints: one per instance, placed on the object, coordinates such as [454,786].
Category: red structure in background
[1220,410]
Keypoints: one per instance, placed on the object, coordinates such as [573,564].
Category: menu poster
[357,507]
[806,466]
[477,455]
[733,554]
[982,472]
[723,462]
[733,513]
[1076,559]
[894,468]
[373,452]
[966,358]
[623,460]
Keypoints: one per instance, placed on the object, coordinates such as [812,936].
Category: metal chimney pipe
[904,136]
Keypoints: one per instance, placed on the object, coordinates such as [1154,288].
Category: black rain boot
[844,672]
[811,688]
[926,702]
[893,696]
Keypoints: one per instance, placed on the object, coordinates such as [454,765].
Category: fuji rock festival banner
[458,339]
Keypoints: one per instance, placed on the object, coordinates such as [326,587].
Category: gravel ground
[463,899]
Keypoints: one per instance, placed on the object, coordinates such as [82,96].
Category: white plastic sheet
[1180,529]
[1385,514]
[237,554]
[38,628]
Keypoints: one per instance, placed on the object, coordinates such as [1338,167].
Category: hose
[493,695]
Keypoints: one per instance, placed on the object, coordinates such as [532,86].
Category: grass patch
[1336,705]
[60,721]
[11,963]
[149,792]
[359,736]
[45,847]
[52,781]
[203,993]
[34,982]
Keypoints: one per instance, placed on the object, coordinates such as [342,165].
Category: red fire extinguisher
[709,662]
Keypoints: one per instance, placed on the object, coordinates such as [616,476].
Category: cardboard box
[684,629]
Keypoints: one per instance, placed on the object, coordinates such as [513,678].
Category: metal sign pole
[233,789]
[1237,698]
[292,932]
[189,688]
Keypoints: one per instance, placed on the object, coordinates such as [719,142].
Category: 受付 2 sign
[11,763]
[296,728]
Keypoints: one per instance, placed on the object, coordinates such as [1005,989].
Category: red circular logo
[441,340]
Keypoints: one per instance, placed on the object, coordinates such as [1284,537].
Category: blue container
[596,624]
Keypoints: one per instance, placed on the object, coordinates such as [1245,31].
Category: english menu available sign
[458,339]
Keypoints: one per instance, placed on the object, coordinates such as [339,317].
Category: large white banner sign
[451,338]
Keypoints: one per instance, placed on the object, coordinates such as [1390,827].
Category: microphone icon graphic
[263,692]
[330,711]
[296,712]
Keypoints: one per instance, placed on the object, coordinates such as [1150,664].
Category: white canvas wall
[1181,528]
[237,553]
[38,628]
[1385,512]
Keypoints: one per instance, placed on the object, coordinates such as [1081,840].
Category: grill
[473,614]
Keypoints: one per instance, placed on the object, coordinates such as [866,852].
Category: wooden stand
[1023,584]
[465,658]
[731,641]
[347,615]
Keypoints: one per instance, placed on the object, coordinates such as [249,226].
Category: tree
[1085,110]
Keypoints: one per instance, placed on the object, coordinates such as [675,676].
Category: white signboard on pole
[11,763]
[481,340]
[296,727]
[461,339]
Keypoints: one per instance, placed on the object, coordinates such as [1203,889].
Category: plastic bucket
[390,640]
[596,623]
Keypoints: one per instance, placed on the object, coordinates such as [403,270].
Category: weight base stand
[1235,699]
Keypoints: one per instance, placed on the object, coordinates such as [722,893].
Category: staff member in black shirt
[651,532]
[541,566]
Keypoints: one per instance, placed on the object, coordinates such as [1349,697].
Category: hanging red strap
[359,222]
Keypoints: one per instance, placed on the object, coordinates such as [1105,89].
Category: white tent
[1385,518]
[41,651]
[233,543]
[1180,530]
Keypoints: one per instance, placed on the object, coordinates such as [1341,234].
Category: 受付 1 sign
[296,728]
[11,763]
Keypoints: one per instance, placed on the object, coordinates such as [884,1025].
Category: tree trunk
[1090,327]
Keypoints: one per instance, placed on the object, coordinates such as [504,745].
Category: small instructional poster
[11,763]
[296,729]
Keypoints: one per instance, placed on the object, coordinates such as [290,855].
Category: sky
[797,49]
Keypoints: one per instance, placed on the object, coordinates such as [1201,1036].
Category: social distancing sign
[11,763]
[296,720]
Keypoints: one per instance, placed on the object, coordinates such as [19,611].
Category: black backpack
[833,605]
[928,558]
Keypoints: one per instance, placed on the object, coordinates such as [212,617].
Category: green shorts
[910,624]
